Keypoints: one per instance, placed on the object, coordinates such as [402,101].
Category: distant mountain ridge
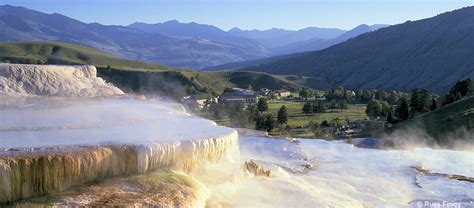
[175,28]
[431,53]
[316,44]
[298,48]
[274,38]
[271,39]
[21,24]
[188,45]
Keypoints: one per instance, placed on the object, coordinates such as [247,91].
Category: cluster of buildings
[236,95]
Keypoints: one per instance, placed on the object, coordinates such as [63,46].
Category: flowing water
[52,144]
[59,151]
[347,176]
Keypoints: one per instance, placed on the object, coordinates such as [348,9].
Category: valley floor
[299,122]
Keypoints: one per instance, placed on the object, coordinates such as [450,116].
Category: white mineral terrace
[76,81]
[51,144]
[42,122]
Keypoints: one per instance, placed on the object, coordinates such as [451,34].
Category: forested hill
[432,53]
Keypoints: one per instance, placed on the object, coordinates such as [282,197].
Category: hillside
[432,53]
[22,24]
[69,54]
[444,121]
[298,48]
[139,77]
[177,84]
[250,63]
[316,44]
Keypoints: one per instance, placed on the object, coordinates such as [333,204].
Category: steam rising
[344,176]
[41,122]
[143,153]
[120,137]
[52,144]
[416,136]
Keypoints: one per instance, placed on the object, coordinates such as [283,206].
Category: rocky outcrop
[52,80]
[254,169]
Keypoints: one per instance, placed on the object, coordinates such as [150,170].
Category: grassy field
[296,117]
[299,121]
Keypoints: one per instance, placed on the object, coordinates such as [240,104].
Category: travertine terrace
[53,138]
[54,80]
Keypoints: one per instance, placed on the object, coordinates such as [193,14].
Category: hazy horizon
[260,15]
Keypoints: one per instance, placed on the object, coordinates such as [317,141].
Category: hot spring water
[347,176]
[50,145]
[57,151]
[91,133]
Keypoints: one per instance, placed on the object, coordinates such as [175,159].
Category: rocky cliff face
[49,80]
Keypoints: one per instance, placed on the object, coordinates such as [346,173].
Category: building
[282,93]
[265,91]
[239,95]
[202,102]
[198,101]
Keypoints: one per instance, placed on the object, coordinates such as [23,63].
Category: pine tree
[390,118]
[262,105]
[304,94]
[319,107]
[402,111]
[282,116]
[270,122]
[260,122]
[307,108]
[374,109]
[420,101]
[342,104]
[434,105]
[253,113]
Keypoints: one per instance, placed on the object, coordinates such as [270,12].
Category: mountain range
[432,53]
[21,24]
[275,38]
[189,45]
[315,44]
[276,41]
[298,48]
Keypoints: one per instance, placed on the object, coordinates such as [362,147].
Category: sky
[247,14]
